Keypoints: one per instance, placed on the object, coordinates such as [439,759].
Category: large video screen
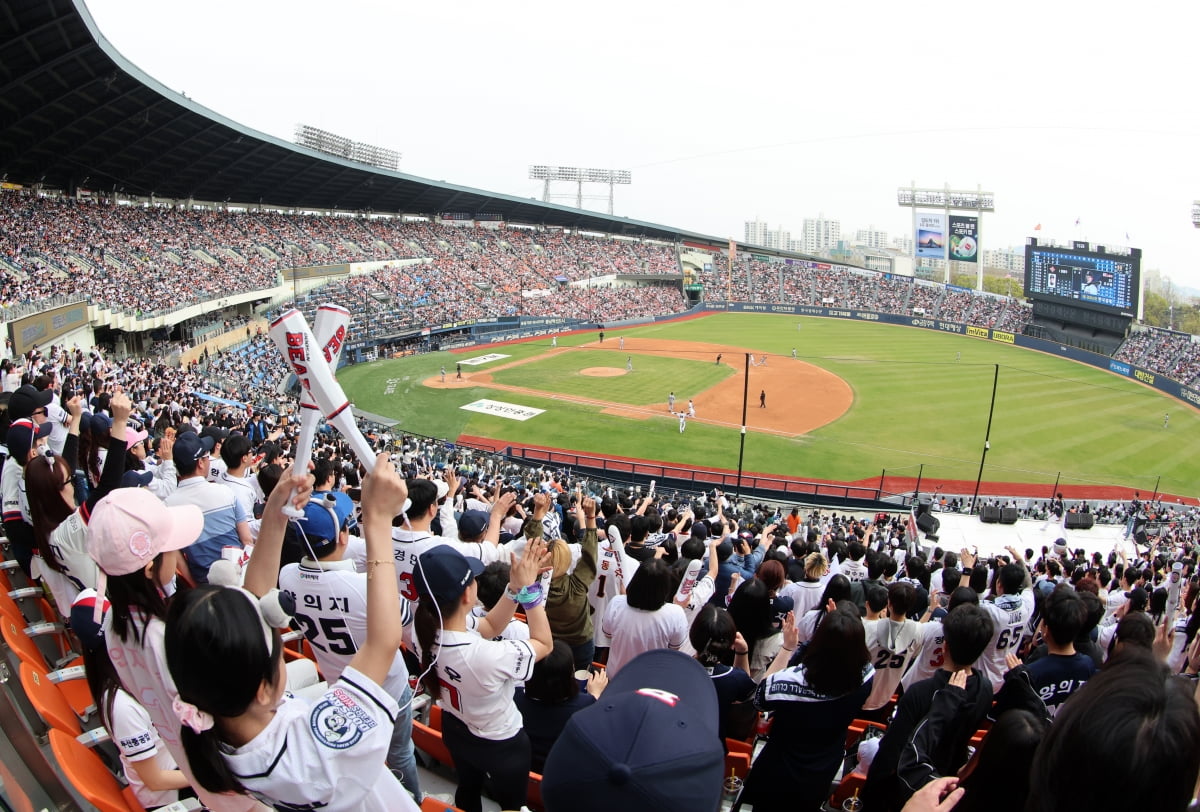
[1088,278]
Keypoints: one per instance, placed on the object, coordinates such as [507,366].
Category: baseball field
[858,399]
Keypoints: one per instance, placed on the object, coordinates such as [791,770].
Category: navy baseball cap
[472,524]
[444,573]
[136,479]
[100,424]
[649,742]
[189,449]
[23,434]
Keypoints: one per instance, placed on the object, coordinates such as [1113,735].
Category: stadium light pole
[987,436]
[742,447]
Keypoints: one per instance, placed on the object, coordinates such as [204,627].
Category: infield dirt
[801,397]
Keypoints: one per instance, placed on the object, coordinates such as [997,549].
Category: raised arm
[383,497]
[114,462]
[262,573]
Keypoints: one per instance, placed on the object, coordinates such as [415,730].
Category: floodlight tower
[1196,213]
[578,176]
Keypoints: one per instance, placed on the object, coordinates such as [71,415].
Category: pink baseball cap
[132,438]
[130,526]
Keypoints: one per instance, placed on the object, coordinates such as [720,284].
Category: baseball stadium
[151,248]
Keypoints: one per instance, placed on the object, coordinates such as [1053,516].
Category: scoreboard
[1086,277]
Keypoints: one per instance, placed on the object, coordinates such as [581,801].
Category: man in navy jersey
[1043,685]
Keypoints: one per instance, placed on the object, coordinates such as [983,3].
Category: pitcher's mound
[602,372]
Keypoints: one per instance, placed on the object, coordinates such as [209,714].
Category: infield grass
[915,402]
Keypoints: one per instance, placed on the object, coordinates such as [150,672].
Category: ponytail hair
[219,659]
[427,622]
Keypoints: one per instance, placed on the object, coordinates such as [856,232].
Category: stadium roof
[75,114]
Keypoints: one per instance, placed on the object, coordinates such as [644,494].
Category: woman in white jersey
[241,732]
[473,676]
[135,540]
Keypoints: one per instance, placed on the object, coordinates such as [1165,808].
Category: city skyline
[476,93]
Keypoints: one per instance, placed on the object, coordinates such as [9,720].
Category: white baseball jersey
[478,678]
[1010,616]
[805,595]
[143,672]
[407,545]
[892,646]
[611,563]
[136,739]
[331,608]
[930,656]
[854,570]
[634,631]
[242,491]
[326,753]
[807,624]
[701,594]
[515,630]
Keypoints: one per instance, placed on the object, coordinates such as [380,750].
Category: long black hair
[136,591]
[219,660]
[427,623]
[751,611]
[834,660]
[102,679]
[999,780]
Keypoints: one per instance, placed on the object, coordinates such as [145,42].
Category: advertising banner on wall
[964,238]
[931,235]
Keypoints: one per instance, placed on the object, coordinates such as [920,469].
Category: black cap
[26,399]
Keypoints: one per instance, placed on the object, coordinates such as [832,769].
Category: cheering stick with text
[329,329]
[306,359]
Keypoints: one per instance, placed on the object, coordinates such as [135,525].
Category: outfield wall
[1153,379]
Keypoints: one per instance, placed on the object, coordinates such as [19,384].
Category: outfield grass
[914,403]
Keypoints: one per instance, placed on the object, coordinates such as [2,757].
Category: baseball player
[682,422]
[628,362]
[691,412]
[671,403]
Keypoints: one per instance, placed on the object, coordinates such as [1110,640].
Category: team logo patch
[333,726]
[139,544]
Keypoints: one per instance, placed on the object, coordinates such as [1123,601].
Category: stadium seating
[74,688]
[90,777]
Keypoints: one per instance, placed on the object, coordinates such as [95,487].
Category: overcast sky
[731,111]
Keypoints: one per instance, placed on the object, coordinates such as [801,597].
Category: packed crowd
[656,631]
[145,259]
[756,281]
[1166,352]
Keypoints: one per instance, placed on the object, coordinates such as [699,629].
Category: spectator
[643,618]
[812,703]
[550,697]
[957,706]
